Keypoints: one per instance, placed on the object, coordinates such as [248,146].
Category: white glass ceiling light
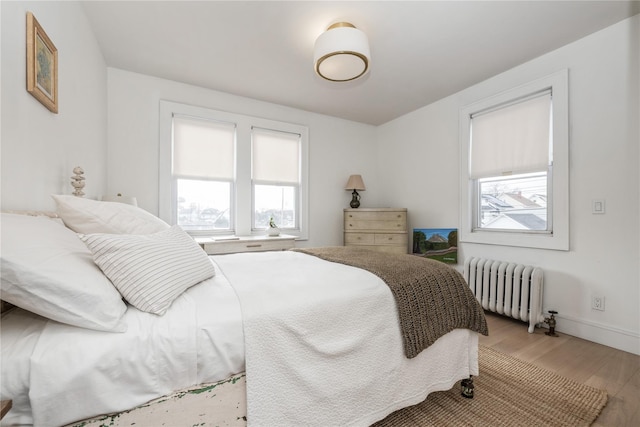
[341,53]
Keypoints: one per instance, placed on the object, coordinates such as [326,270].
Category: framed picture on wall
[42,65]
[436,243]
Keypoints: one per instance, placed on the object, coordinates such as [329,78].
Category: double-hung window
[225,173]
[202,177]
[515,167]
[275,177]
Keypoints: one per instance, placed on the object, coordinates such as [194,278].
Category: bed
[116,309]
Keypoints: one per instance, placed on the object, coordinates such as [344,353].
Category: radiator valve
[551,321]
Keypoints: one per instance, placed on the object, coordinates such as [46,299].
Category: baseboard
[608,335]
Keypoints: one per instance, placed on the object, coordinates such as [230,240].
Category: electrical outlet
[597,302]
[598,206]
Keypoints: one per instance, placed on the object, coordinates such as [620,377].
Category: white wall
[39,148]
[422,173]
[338,147]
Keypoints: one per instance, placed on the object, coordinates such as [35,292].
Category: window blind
[275,156]
[512,139]
[203,148]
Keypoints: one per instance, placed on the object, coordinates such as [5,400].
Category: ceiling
[421,51]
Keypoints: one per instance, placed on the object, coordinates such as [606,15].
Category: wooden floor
[606,368]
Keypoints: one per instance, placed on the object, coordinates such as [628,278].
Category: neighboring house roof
[494,203]
[517,199]
[540,199]
[521,221]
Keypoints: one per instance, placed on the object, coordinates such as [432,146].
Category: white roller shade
[275,156]
[512,139]
[203,149]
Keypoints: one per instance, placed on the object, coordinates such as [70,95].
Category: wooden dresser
[381,229]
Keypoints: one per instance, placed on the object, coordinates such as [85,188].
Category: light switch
[598,206]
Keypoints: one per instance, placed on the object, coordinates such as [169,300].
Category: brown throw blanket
[432,298]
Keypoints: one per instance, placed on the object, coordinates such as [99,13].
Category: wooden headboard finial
[77,181]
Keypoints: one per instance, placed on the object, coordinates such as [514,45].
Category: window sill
[555,241]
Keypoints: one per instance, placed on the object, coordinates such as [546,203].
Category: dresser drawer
[379,221]
[376,225]
[376,215]
[391,239]
[359,239]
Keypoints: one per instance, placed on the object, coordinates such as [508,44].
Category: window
[514,167]
[510,157]
[224,173]
[275,177]
[203,156]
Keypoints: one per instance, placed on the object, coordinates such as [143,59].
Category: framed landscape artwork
[436,243]
[42,65]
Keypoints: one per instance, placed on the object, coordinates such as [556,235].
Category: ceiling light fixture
[341,53]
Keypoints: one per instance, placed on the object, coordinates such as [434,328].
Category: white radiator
[514,290]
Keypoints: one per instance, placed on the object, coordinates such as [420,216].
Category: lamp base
[355,200]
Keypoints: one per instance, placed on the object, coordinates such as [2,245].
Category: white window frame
[557,178]
[242,198]
[255,181]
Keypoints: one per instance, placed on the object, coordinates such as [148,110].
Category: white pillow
[47,270]
[152,270]
[91,216]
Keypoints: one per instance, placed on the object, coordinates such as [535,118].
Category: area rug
[508,392]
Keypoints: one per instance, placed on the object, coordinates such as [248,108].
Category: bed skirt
[186,408]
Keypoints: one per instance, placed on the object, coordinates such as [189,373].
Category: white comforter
[323,347]
[57,374]
[323,344]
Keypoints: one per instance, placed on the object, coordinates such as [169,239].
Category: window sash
[203,211]
[522,219]
[258,221]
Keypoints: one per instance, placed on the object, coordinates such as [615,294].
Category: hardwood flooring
[615,371]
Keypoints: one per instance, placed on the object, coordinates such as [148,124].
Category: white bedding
[339,363]
[72,373]
[323,344]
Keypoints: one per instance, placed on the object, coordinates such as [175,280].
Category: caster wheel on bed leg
[466,386]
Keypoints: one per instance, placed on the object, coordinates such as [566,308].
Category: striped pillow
[150,270]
